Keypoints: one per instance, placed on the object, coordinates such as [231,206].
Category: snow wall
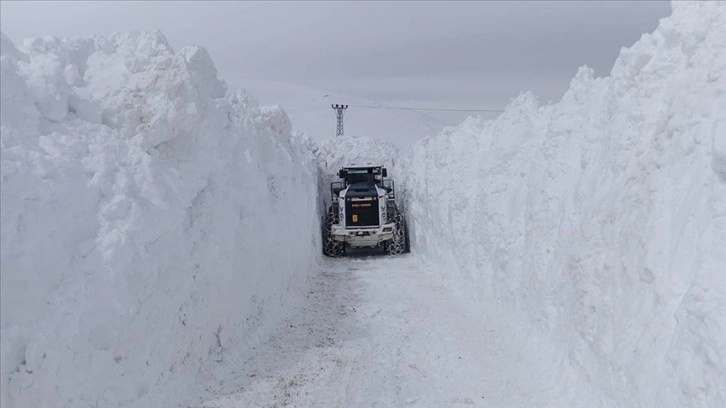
[598,223]
[142,206]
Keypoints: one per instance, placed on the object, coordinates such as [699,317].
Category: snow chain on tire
[331,247]
[397,245]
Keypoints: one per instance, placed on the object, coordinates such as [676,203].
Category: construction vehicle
[363,213]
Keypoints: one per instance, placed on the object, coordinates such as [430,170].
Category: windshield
[375,170]
[362,175]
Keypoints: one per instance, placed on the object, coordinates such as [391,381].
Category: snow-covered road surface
[380,331]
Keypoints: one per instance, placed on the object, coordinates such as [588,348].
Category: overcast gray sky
[447,52]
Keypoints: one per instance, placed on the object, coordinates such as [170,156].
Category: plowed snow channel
[388,332]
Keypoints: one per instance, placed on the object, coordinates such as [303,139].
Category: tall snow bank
[143,213]
[340,151]
[599,223]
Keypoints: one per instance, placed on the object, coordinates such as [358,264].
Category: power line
[426,109]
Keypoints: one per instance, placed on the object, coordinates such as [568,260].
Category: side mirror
[342,173]
[384,172]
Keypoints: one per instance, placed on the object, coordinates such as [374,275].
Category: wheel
[331,247]
[397,245]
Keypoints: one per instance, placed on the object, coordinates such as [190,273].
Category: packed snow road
[387,332]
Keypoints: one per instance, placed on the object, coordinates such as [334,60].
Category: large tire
[397,245]
[331,247]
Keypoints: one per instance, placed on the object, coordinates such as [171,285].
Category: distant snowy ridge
[599,221]
[310,112]
[345,150]
[141,214]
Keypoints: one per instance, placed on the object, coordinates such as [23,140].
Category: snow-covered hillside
[310,112]
[142,206]
[598,224]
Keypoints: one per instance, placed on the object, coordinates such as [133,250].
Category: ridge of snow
[599,221]
[309,109]
[141,210]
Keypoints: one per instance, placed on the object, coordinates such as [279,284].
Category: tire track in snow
[383,332]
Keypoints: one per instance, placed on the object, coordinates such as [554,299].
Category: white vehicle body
[368,235]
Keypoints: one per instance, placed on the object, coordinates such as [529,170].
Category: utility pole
[339,113]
